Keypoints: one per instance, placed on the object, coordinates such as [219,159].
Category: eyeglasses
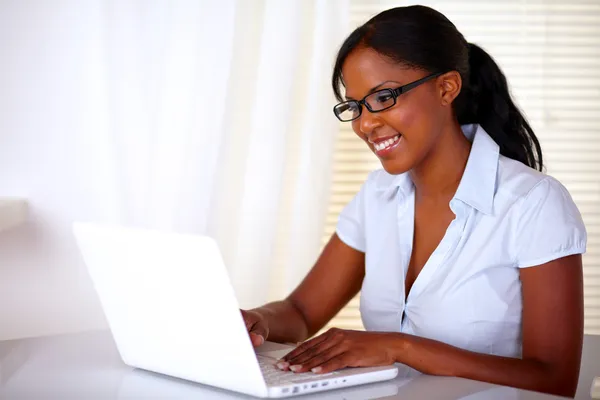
[376,101]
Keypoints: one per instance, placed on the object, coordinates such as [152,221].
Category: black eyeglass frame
[394,92]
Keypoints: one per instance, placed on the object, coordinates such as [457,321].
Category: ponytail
[423,38]
[485,100]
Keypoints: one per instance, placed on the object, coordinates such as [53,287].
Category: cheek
[413,120]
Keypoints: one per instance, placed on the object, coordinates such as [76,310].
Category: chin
[395,167]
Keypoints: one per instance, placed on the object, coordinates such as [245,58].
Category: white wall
[44,288]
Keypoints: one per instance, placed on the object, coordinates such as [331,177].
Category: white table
[87,366]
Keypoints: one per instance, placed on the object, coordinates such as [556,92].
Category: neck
[437,177]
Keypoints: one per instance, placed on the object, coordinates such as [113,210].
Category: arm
[333,281]
[552,340]
[552,337]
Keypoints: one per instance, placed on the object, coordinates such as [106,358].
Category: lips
[385,146]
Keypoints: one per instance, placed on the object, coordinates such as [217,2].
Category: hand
[256,326]
[338,349]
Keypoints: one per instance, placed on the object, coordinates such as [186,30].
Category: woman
[468,259]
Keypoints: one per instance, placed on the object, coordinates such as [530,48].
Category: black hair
[423,38]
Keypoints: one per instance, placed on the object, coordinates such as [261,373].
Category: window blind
[550,52]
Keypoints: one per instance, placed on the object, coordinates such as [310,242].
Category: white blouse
[468,294]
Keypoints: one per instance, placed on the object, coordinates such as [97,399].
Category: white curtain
[215,118]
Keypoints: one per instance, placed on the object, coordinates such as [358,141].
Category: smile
[385,146]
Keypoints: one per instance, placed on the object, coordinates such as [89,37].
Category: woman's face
[409,130]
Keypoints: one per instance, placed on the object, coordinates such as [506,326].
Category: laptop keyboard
[276,377]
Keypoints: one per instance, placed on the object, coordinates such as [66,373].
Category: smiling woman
[467,257]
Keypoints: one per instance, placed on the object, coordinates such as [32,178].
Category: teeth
[387,143]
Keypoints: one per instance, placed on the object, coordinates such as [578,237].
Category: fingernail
[257,340]
[316,370]
[296,368]
[282,365]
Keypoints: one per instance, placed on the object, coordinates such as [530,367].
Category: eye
[352,107]
[383,96]
[381,100]
[347,107]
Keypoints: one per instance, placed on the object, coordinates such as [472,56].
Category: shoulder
[515,180]
[547,222]
[535,198]
[518,184]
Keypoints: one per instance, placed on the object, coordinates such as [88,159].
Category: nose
[368,122]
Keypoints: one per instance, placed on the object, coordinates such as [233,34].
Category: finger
[307,345]
[247,320]
[259,329]
[304,346]
[256,328]
[340,361]
[314,351]
[318,360]
[256,339]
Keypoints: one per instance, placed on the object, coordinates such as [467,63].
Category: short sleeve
[351,222]
[549,226]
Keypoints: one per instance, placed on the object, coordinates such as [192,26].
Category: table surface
[87,365]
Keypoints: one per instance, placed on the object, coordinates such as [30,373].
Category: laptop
[141,384]
[172,310]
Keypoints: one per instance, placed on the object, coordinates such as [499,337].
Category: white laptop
[141,384]
[172,310]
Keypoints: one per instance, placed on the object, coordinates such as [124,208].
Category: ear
[449,85]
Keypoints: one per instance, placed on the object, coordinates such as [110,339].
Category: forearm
[436,358]
[285,322]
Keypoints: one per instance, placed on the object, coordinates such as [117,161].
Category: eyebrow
[374,89]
